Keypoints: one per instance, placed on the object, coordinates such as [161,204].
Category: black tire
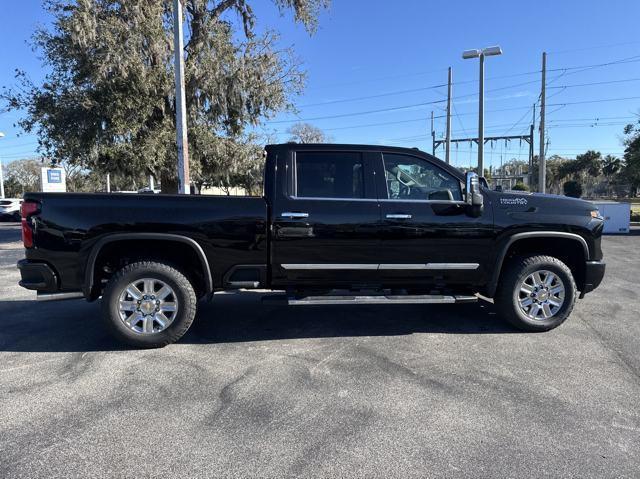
[182,289]
[508,293]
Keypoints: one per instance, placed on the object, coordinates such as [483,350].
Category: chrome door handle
[399,216]
[294,215]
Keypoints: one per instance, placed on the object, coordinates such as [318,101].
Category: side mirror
[474,196]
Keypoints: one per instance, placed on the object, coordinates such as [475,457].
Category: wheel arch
[89,289]
[576,257]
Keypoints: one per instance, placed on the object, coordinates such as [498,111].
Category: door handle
[399,216]
[294,215]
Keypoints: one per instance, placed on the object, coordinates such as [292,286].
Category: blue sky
[376,48]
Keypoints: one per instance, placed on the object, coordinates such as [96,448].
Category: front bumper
[593,274]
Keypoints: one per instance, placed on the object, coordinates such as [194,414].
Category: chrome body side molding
[370,266]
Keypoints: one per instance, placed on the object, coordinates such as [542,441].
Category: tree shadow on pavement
[75,325]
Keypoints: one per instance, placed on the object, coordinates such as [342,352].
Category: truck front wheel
[148,304]
[536,293]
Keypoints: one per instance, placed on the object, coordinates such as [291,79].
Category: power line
[631,59]
[602,100]
[366,125]
[416,120]
[596,83]
[381,95]
[566,151]
[343,115]
[583,49]
[414,90]
[563,71]
[385,123]
[389,77]
[617,123]
[526,113]
[498,89]
[395,108]
[19,145]
[595,119]
[459,119]
[25,155]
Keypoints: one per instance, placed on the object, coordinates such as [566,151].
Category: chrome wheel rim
[541,295]
[147,306]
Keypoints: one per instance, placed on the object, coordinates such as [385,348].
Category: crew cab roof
[353,147]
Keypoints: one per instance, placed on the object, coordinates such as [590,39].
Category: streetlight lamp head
[1,134]
[475,53]
[491,51]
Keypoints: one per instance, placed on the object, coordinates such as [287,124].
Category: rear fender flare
[95,251]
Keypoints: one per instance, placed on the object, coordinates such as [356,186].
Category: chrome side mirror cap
[474,196]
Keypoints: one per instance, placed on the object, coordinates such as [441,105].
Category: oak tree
[107,102]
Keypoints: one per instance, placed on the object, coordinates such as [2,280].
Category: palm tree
[611,166]
[587,167]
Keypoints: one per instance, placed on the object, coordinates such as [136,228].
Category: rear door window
[329,174]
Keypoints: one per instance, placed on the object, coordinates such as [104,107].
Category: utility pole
[542,164]
[531,149]
[448,134]
[181,109]
[433,137]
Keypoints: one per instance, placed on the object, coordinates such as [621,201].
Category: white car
[10,209]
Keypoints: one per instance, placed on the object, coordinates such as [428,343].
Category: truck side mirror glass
[474,196]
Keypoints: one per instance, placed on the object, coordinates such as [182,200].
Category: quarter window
[329,175]
[412,178]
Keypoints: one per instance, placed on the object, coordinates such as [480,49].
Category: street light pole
[1,173]
[181,108]
[481,118]
[481,53]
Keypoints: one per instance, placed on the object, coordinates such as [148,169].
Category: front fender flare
[493,284]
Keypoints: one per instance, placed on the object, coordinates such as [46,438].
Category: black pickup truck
[338,224]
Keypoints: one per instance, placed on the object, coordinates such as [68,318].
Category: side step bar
[382,299]
[59,296]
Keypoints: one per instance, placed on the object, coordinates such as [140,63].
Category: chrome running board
[381,299]
[59,296]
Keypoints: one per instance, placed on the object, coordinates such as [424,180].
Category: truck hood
[542,202]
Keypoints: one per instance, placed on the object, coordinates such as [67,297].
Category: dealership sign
[53,180]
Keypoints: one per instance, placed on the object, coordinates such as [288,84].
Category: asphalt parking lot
[275,391]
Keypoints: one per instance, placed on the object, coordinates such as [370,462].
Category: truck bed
[230,230]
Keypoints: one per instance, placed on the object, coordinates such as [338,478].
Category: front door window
[412,178]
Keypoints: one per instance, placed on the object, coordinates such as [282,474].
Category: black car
[338,224]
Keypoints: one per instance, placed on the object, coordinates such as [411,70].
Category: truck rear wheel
[148,304]
[536,293]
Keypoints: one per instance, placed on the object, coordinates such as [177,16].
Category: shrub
[572,188]
[520,187]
